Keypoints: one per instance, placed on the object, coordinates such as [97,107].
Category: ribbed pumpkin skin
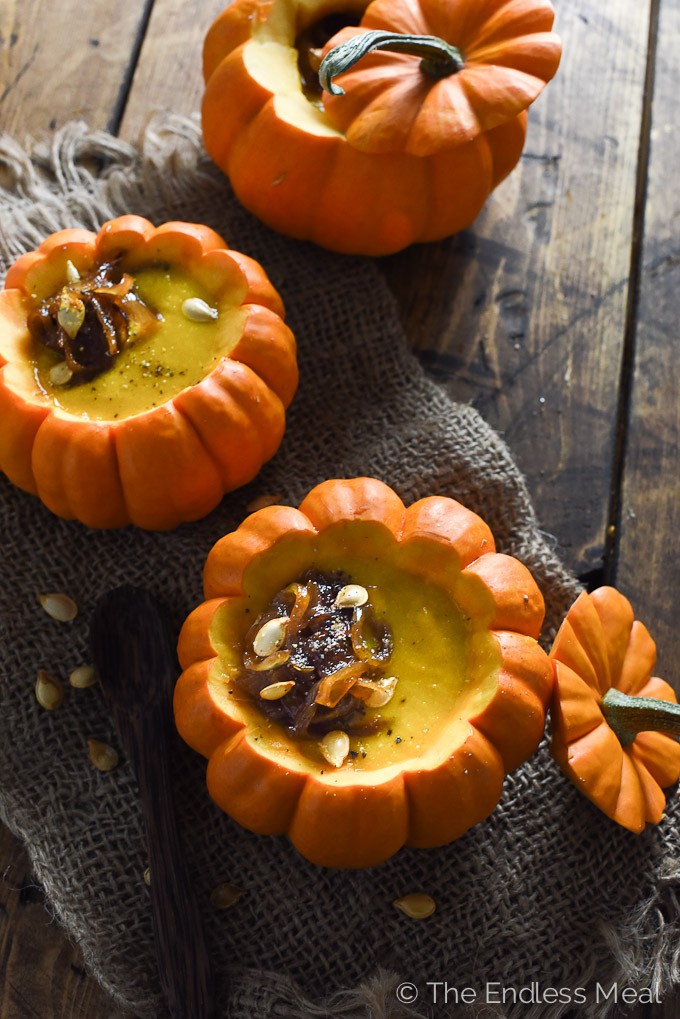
[342,188]
[601,646]
[172,463]
[428,801]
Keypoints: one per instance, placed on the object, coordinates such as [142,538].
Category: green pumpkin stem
[438,58]
[627,716]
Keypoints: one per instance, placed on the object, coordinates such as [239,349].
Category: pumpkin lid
[483,63]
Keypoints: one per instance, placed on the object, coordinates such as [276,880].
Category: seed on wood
[270,637]
[417,905]
[197,310]
[275,691]
[49,692]
[59,606]
[226,895]
[60,374]
[103,756]
[335,747]
[351,597]
[83,677]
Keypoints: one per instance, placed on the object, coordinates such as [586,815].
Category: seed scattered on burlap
[103,756]
[83,677]
[59,606]
[417,905]
[49,692]
[225,895]
[262,501]
[147,876]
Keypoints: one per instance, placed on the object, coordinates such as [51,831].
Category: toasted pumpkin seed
[103,756]
[72,274]
[380,691]
[59,606]
[351,597]
[226,895]
[83,677]
[197,310]
[60,374]
[335,747]
[71,313]
[49,692]
[270,637]
[275,691]
[147,876]
[417,905]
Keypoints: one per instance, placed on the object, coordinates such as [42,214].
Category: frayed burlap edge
[96,176]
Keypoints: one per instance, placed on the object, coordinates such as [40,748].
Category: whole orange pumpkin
[418,755]
[412,149]
[151,432]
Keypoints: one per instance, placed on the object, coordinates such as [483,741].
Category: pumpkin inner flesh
[153,370]
[446,663]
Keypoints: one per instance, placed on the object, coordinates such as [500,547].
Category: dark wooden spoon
[133,650]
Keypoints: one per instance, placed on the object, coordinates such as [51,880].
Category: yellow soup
[149,372]
[446,664]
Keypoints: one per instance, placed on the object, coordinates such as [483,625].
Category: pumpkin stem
[627,716]
[438,58]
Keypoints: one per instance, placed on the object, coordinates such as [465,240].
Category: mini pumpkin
[419,138]
[615,725]
[145,372]
[362,675]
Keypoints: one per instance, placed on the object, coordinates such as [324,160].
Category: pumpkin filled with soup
[362,675]
[145,371]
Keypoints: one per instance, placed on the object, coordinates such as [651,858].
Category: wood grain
[65,60]
[523,315]
[168,78]
[647,571]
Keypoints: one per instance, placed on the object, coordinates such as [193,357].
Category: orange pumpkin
[613,722]
[412,149]
[466,695]
[187,412]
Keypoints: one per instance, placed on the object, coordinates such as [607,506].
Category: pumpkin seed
[335,747]
[270,637]
[72,274]
[417,905]
[351,597]
[275,691]
[147,876]
[381,691]
[71,314]
[197,310]
[60,374]
[226,895]
[261,501]
[103,756]
[49,692]
[59,606]
[83,677]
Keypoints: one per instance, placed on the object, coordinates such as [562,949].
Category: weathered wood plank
[168,77]
[42,972]
[61,60]
[524,314]
[647,570]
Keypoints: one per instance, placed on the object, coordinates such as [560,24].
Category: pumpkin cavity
[314,659]
[310,43]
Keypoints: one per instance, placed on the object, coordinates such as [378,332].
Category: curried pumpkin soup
[155,364]
[357,663]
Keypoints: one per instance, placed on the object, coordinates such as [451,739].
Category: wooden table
[556,315]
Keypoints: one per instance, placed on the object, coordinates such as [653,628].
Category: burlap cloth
[546,891]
